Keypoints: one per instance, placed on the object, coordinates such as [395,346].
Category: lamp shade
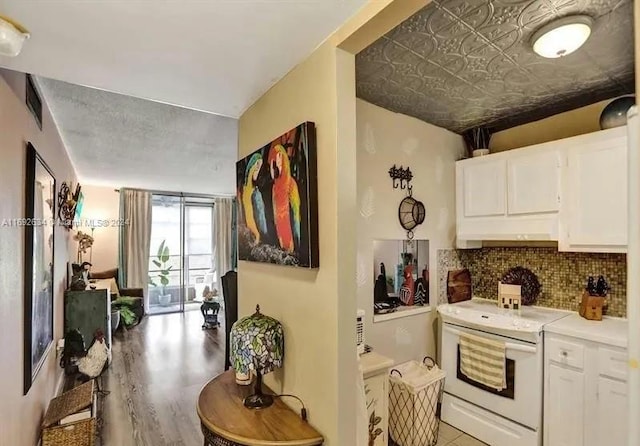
[256,344]
[12,36]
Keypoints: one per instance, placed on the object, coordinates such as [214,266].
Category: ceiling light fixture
[563,36]
[12,36]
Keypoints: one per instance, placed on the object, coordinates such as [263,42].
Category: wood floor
[156,375]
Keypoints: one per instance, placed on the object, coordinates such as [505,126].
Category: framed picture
[38,264]
[278,201]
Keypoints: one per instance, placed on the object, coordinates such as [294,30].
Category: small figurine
[408,287]
[380,288]
[421,296]
[79,279]
[208,295]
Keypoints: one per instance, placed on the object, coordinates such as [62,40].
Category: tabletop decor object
[530,285]
[257,346]
[615,113]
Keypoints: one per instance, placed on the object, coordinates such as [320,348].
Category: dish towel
[483,360]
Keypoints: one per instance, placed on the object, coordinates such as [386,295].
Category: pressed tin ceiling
[460,64]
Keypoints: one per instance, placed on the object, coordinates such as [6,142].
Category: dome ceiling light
[12,36]
[563,36]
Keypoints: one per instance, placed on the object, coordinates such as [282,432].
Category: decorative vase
[480,152]
[615,113]
[164,299]
[115,320]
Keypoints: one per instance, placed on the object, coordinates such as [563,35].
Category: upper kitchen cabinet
[594,214]
[512,195]
[573,191]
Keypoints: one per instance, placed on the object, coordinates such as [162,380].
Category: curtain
[135,240]
[223,235]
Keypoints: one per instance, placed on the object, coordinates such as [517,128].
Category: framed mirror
[401,272]
[40,189]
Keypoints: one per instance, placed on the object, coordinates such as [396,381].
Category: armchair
[137,293]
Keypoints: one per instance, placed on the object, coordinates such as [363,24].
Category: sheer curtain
[135,240]
[224,235]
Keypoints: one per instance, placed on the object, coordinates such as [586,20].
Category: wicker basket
[80,433]
[68,403]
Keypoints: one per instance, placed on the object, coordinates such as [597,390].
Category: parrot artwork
[252,202]
[286,199]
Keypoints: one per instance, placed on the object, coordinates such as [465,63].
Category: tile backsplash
[563,275]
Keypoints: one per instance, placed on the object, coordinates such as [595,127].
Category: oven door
[521,401]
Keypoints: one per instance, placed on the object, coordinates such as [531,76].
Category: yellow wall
[20,416]
[563,125]
[316,307]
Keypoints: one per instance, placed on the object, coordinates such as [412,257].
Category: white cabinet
[612,395]
[573,191]
[585,389]
[512,195]
[595,186]
[375,369]
[565,426]
[484,188]
[533,181]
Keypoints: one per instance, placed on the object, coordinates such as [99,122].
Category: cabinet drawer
[612,363]
[565,352]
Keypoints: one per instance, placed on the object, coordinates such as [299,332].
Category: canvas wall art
[277,201]
[38,264]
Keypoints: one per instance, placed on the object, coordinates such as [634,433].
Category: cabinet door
[533,182]
[377,391]
[597,197]
[484,188]
[612,412]
[565,409]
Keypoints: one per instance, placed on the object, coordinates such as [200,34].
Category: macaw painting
[277,201]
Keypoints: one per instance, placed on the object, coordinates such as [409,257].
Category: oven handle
[508,345]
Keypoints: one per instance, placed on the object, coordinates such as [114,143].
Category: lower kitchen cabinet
[565,414]
[585,393]
[612,403]
[375,369]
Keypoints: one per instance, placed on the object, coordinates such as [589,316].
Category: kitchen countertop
[610,330]
[373,362]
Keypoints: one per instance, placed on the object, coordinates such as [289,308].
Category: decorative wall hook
[403,175]
[67,202]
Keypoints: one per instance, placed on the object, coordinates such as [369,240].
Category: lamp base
[258,401]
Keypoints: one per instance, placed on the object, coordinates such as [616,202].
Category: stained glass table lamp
[257,345]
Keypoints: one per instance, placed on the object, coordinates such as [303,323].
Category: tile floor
[450,436]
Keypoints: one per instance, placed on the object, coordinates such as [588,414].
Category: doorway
[181,257]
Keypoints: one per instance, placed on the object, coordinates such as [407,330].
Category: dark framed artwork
[277,191]
[40,204]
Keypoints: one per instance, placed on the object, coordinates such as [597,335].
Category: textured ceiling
[460,64]
[213,55]
[117,140]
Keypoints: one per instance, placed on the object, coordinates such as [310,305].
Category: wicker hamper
[80,433]
[414,394]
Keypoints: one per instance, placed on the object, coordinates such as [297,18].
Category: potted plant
[162,262]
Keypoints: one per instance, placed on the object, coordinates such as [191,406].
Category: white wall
[101,205]
[384,139]
[20,416]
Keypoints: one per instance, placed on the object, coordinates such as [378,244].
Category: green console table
[87,311]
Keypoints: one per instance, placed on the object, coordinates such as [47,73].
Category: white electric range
[513,416]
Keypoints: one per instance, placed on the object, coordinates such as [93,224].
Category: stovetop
[525,324]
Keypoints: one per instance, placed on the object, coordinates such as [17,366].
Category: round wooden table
[227,422]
